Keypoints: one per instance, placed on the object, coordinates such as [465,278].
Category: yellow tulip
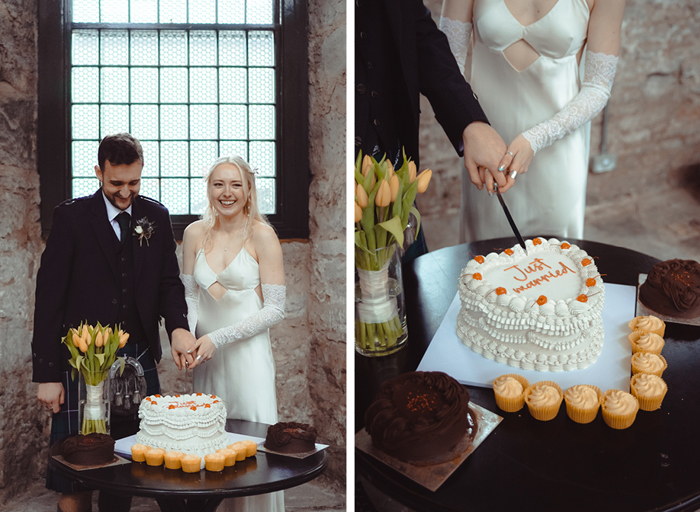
[358,213]
[99,340]
[411,172]
[85,334]
[366,165]
[394,186]
[362,198]
[383,197]
[82,345]
[423,180]
[76,339]
[123,338]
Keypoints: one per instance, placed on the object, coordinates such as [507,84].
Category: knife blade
[509,217]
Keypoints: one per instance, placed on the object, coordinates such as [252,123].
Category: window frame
[292,99]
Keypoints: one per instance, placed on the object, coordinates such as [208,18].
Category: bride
[234,285]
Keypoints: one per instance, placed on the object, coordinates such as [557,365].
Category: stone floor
[314,496]
[663,224]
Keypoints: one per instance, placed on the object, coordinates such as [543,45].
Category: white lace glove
[192,299]
[458,35]
[598,75]
[272,312]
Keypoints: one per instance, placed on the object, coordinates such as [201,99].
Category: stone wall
[654,114]
[309,345]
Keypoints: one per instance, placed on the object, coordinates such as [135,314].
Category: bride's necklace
[233,236]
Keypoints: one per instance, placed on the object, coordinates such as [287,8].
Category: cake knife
[510,219]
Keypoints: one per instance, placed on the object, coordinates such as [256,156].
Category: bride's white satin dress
[550,198]
[242,373]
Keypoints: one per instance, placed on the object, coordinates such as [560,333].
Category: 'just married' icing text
[536,266]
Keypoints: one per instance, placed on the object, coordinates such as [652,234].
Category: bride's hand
[204,350]
[516,160]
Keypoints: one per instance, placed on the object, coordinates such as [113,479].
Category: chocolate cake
[291,437]
[418,416]
[672,289]
[89,450]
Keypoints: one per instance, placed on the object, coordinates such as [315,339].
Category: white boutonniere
[144,229]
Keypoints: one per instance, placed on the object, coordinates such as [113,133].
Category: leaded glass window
[191,79]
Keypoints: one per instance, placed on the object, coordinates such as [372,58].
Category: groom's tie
[124,220]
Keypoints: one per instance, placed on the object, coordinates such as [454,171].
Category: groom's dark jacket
[400,54]
[79,279]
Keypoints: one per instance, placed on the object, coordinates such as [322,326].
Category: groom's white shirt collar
[112,212]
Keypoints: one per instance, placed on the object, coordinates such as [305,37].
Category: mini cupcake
[138,452]
[543,399]
[648,324]
[240,450]
[214,461]
[644,362]
[646,342]
[649,389]
[251,447]
[155,456]
[619,408]
[191,463]
[173,460]
[230,456]
[509,391]
[582,402]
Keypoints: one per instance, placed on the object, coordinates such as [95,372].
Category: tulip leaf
[358,161]
[101,358]
[398,203]
[122,363]
[416,214]
[393,226]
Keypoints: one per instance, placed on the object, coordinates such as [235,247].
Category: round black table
[558,465]
[177,491]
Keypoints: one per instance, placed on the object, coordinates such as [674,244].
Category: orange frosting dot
[537,241]
[565,246]
[171,407]
[157,395]
[193,408]
[509,252]
[148,398]
[585,262]
[177,396]
[153,402]
[207,405]
[199,394]
[501,291]
[582,298]
[215,402]
[477,276]
[479,259]
[541,300]
[213,396]
[590,281]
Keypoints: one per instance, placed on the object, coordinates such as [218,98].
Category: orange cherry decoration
[194,408]
[501,291]
[177,396]
[215,402]
[199,394]
[213,396]
[541,300]
[582,298]
[477,276]
[153,402]
[171,407]
[585,262]
[509,252]
[565,246]
[207,406]
[590,282]
[148,398]
[157,395]
[537,241]
[479,259]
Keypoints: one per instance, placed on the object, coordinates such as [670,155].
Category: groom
[109,258]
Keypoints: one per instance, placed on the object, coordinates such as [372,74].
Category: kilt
[65,422]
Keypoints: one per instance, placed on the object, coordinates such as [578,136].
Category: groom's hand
[483,147]
[51,395]
[182,346]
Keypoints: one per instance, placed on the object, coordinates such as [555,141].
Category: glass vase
[380,310]
[93,402]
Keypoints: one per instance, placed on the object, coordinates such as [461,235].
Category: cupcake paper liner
[636,369]
[512,404]
[635,335]
[648,403]
[547,412]
[618,421]
[581,415]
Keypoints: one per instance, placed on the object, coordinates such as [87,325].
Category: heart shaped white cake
[539,310]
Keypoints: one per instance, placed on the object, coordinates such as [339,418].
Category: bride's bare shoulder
[194,233]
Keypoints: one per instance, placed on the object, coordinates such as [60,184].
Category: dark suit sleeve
[52,282]
[453,101]
[173,307]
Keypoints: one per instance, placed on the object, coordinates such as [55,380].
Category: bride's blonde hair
[250,209]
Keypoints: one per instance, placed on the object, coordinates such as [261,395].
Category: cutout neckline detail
[534,22]
[227,266]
